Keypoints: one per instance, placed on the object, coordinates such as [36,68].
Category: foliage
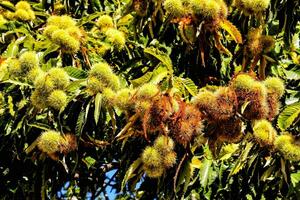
[159,99]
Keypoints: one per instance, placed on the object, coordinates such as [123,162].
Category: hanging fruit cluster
[62,31]
[159,157]
[22,11]
[50,89]
[110,35]
[197,17]
[53,143]
[217,114]
[26,67]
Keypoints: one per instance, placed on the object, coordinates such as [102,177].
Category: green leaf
[7,6]
[130,172]
[187,173]
[51,48]
[113,119]
[159,74]
[283,169]
[154,77]
[295,178]
[75,85]
[289,116]
[161,56]
[188,84]
[89,161]
[13,49]
[225,67]
[232,30]
[40,126]
[249,197]
[98,104]
[241,162]
[205,172]
[185,176]
[292,74]
[89,18]
[228,150]
[80,122]
[196,163]
[142,80]
[76,73]
[10,106]
[14,82]
[267,173]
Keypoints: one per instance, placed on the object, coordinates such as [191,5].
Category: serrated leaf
[292,74]
[241,162]
[225,68]
[159,74]
[295,178]
[14,82]
[76,73]
[161,56]
[289,116]
[187,84]
[142,80]
[80,122]
[232,30]
[190,86]
[75,85]
[98,104]
[130,172]
[205,172]
[228,150]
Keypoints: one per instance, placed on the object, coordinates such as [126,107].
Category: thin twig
[177,172]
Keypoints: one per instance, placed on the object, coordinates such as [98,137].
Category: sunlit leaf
[130,173]
[98,104]
[89,161]
[295,178]
[232,30]
[289,116]
[75,73]
[240,163]
[228,150]
[196,163]
[163,57]
[205,172]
